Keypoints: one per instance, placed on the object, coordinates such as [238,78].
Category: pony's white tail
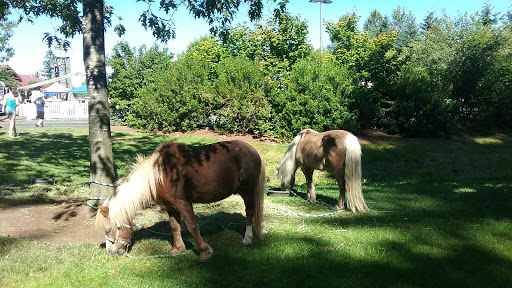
[354,193]
[259,192]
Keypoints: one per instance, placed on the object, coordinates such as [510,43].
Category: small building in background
[21,80]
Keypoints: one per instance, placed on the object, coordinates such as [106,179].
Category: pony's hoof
[247,241]
[337,208]
[178,251]
[207,254]
[264,230]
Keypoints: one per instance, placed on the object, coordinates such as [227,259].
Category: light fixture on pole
[325,2]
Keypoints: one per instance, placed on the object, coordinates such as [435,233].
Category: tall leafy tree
[421,96]
[482,56]
[6,32]
[91,22]
[276,45]
[132,69]
[370,60]
[369,57]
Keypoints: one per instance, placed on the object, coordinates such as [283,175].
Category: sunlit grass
[441,216]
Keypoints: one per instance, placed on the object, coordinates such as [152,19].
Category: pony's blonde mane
[136,190]
[286,169]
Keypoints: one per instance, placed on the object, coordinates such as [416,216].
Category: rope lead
[103,184]
[305,214]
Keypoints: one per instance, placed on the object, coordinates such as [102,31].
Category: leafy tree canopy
[218,14]
[6,32]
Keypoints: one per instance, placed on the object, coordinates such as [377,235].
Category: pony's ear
[103,210]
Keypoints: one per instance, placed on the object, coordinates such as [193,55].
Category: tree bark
[100,140]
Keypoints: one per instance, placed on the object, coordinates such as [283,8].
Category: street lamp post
[325,2]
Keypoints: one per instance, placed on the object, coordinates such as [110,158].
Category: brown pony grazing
[177,175]
[337,150]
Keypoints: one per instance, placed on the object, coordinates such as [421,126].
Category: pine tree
[46,72]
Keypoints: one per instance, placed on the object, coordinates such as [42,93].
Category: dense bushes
[316,96]
[454,76]
[239,101]
[175,100]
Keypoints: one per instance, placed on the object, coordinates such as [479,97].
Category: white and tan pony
[336,150]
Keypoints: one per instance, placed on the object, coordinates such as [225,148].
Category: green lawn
[440,217]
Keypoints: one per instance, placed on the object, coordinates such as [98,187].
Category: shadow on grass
[441,217]
[317,266]
[65,157]
[446,237]
[209,225]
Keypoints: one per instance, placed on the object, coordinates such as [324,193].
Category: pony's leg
[178,246]
[187,212]
[311,194]
[340,178]
[248,235]
[249,213]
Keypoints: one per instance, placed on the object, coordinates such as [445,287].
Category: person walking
[11,102]
[40,104]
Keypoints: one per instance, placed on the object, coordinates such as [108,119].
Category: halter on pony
[117,240]
[123,231]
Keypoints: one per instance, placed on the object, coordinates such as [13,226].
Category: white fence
[57,110]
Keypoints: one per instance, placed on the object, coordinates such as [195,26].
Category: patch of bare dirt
[365,136]
[56,223]
[368,136]
[207,134]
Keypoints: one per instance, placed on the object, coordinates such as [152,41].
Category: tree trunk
[100,140]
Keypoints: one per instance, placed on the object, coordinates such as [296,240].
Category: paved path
[23,122]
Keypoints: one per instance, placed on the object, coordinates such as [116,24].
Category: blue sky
[30,50]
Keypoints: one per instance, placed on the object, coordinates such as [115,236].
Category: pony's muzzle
[113,250]
[118,252]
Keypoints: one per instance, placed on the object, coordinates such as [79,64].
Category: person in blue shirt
[11,102]
[40,104]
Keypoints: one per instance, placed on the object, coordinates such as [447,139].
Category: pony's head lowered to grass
[285,172]
[117,237]
[133,193]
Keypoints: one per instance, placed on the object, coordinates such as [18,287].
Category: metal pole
[320,29]
[326,2]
